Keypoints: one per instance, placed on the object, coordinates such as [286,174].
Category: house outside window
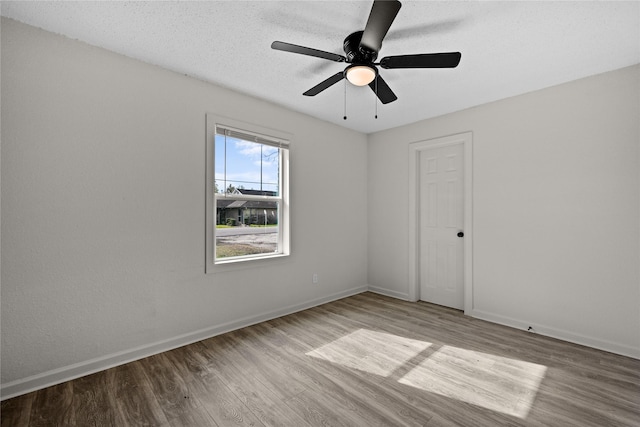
[247,193]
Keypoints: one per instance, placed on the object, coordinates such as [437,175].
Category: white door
[441,219]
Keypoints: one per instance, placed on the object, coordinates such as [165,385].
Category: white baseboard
[67,373]
[560,334]
[390,293]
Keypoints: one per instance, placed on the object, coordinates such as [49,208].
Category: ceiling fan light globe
[360,75]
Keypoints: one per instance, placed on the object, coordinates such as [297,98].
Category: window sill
[222,266]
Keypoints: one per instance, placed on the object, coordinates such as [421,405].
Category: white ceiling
[508,48]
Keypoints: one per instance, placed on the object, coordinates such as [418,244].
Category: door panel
[441,217]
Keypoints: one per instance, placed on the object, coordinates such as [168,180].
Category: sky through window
[245,164]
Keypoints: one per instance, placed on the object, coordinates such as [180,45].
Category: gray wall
[103,185]
[556,218]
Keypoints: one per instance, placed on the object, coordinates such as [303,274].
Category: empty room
[320,213]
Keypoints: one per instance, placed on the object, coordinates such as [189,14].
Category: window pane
[242,164]
[246,227]
[247,195]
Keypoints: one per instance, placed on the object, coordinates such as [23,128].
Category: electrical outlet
[314,278]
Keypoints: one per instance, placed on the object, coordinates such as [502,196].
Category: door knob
[460,234]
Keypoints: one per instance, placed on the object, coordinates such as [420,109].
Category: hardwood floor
[367,360]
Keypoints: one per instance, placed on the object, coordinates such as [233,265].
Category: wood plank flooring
[367,360]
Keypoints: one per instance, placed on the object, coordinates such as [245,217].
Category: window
[247,192]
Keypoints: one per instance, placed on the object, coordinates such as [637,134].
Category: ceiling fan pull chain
[345,100]
[376,100]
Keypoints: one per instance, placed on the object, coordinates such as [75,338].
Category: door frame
[415,150]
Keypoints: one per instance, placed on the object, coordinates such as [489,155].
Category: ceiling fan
[361,49]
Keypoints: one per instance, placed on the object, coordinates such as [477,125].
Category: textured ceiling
[508,48]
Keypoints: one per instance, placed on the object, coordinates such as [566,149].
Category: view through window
[250,188]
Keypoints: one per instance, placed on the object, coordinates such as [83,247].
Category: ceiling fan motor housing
[355,53]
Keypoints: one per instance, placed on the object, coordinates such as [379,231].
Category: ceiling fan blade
[288,47]
[325,84]
[380,19]
[424,60]
[384,92]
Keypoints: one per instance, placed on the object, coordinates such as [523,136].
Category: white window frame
[274,137]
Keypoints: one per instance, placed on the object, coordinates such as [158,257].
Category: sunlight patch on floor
[493,382]
[370,351]
[497,383]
